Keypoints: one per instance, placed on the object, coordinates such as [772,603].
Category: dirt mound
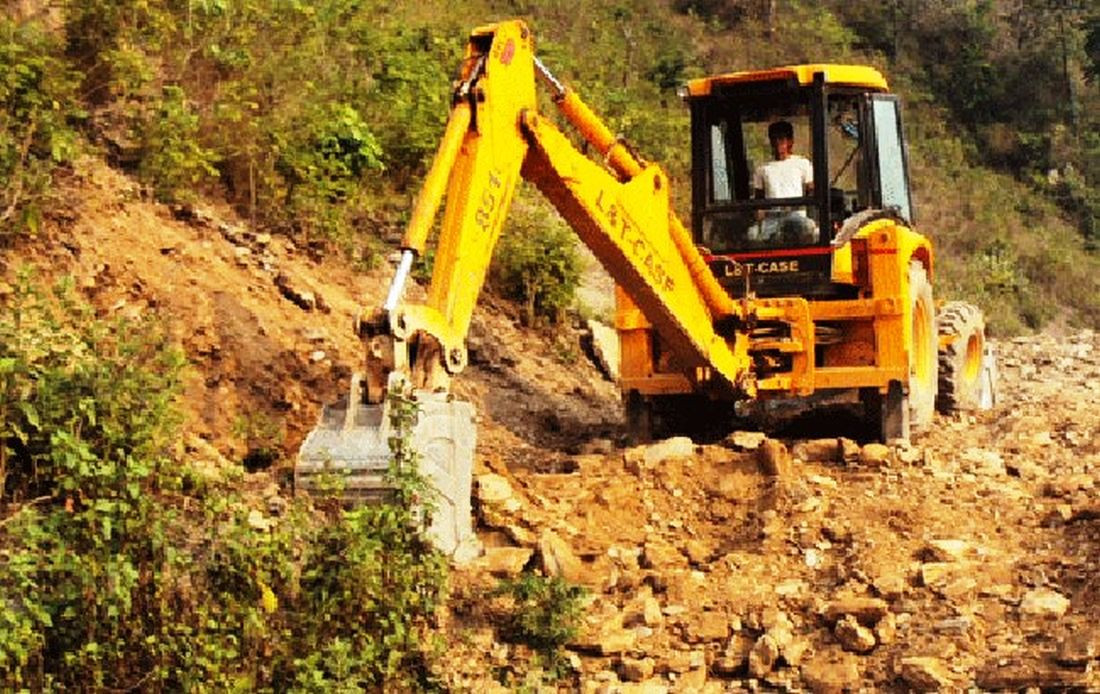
[966,559]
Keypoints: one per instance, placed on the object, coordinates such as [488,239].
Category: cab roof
[799,75]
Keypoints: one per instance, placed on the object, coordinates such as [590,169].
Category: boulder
[947,550]
[866,610]
[818,451]
[874,455]
[831,672]
[924,674]
[709,626]
[762,657]
[505,561]
[558,559]
[605,348]
[636,669]
[745,440]
[1042,602]
[853,636]
[773,459]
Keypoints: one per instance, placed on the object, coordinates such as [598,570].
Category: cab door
[890,173]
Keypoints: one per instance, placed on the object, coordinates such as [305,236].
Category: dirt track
[968,559]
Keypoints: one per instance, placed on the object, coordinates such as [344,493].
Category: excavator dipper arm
[621,211]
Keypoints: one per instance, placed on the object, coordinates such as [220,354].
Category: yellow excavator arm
[620,209]
[872,334]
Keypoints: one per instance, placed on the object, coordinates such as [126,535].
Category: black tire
[923,364]
[962,380]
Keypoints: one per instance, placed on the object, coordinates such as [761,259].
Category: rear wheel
[923,366]
[963,381]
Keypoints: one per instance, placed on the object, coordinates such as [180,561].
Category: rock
[947,550]
[518,534]
[948,579]
[1042,602]
[605,348]
[709,626]
[697,551]
[908,454]
[984,462]
[1079,648]
[830,672]
[680,662]
[774,459]
[1017,676]
[793,652]
[866,610]
[661,555]
[924,674]
[795,587]
[874,455]
[617,641]
[317,355]
[493,489]
[598,446]
[1025,468]
[305,299]
[558,559]
[853,636]
[849,450]
[762,657]
[505,561]
[890,586]
[818,451]
[693,680]
[651,612]
[312,334]
[887,629]
[669,449]
[744,440]
[734,657]
[636,669]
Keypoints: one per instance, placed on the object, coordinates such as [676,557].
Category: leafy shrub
[86,419]
[537,265]
[37,108]
[545,615]
[119,571]
[172,159]
[324,166]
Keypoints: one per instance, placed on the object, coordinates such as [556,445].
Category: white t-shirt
[784,179]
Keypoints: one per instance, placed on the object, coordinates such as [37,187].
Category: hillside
[198,202]
[963,560]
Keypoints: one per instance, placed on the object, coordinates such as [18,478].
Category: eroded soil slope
[966,559]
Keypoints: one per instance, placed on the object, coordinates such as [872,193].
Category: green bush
[122,567]
[172,159]
[545,615]
[536,264]
[37,110]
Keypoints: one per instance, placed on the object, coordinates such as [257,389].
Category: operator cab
[777,238]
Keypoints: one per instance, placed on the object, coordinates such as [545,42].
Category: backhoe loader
[814,292]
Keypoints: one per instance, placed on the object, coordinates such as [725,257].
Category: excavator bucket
[349,451]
